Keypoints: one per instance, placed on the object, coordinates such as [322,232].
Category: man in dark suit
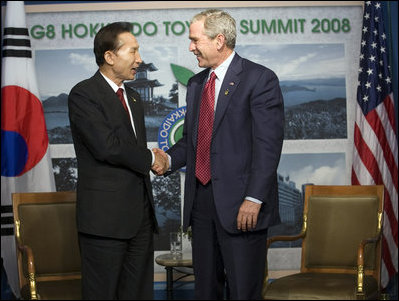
[115,214]
[231,157]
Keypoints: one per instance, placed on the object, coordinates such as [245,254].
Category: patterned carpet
[182,290]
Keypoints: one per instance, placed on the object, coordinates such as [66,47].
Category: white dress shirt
[220,72]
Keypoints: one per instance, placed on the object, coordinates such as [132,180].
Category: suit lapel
[110,97]
[229,86]
[198,88]
[137,116]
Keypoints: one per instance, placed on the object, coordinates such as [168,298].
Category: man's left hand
[248,215]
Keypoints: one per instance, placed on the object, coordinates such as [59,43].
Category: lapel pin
[226,92]
[231,84]
[134,99]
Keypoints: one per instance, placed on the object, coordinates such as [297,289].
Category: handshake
[161,164]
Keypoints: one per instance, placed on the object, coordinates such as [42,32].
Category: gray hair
[218,22]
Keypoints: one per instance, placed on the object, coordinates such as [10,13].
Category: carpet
[182,290]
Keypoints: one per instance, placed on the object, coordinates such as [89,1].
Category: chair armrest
[360,262]
[284,238]
[290,237]
[28,264]
[281,238]
[360,256]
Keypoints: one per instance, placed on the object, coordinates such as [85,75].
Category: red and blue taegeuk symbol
[24,139]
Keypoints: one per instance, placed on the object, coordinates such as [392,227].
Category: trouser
[118,268]
[218,255]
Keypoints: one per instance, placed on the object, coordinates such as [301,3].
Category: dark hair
[107,39]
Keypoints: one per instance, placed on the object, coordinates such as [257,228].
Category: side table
[170,261]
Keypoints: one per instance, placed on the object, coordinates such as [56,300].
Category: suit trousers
[119,269]
[220,257]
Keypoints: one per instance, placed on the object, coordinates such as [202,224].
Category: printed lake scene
[154,81]
[312,80]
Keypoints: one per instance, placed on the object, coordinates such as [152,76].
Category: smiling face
[124,61]
[203,47]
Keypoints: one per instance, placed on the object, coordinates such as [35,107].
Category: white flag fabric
[25,160]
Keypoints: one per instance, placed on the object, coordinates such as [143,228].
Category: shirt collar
[112,84]
[221,70]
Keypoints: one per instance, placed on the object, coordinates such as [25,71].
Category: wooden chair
[341,246]
[48,256]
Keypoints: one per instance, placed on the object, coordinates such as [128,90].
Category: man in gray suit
[231,147]
[115,213]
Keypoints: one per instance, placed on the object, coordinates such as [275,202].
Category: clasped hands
[161,164]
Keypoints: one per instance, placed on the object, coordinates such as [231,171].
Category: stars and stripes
[375,154]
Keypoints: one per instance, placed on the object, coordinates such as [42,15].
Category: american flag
[375,152]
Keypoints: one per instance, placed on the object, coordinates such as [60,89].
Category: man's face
[204,48]
[127,57]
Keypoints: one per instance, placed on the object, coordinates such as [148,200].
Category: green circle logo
[171,129]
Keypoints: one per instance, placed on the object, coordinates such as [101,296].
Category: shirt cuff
[153,158]
[170,162]
[253,200]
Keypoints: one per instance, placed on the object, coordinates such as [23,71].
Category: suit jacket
[113,165]
[248,133]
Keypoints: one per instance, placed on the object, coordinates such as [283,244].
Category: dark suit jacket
[247,139]
[113,165]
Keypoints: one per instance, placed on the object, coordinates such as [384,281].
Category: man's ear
[109,57]
[220,41]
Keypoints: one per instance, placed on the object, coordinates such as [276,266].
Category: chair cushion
[328,243]
[56,290]
[315,286]
[50,231]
